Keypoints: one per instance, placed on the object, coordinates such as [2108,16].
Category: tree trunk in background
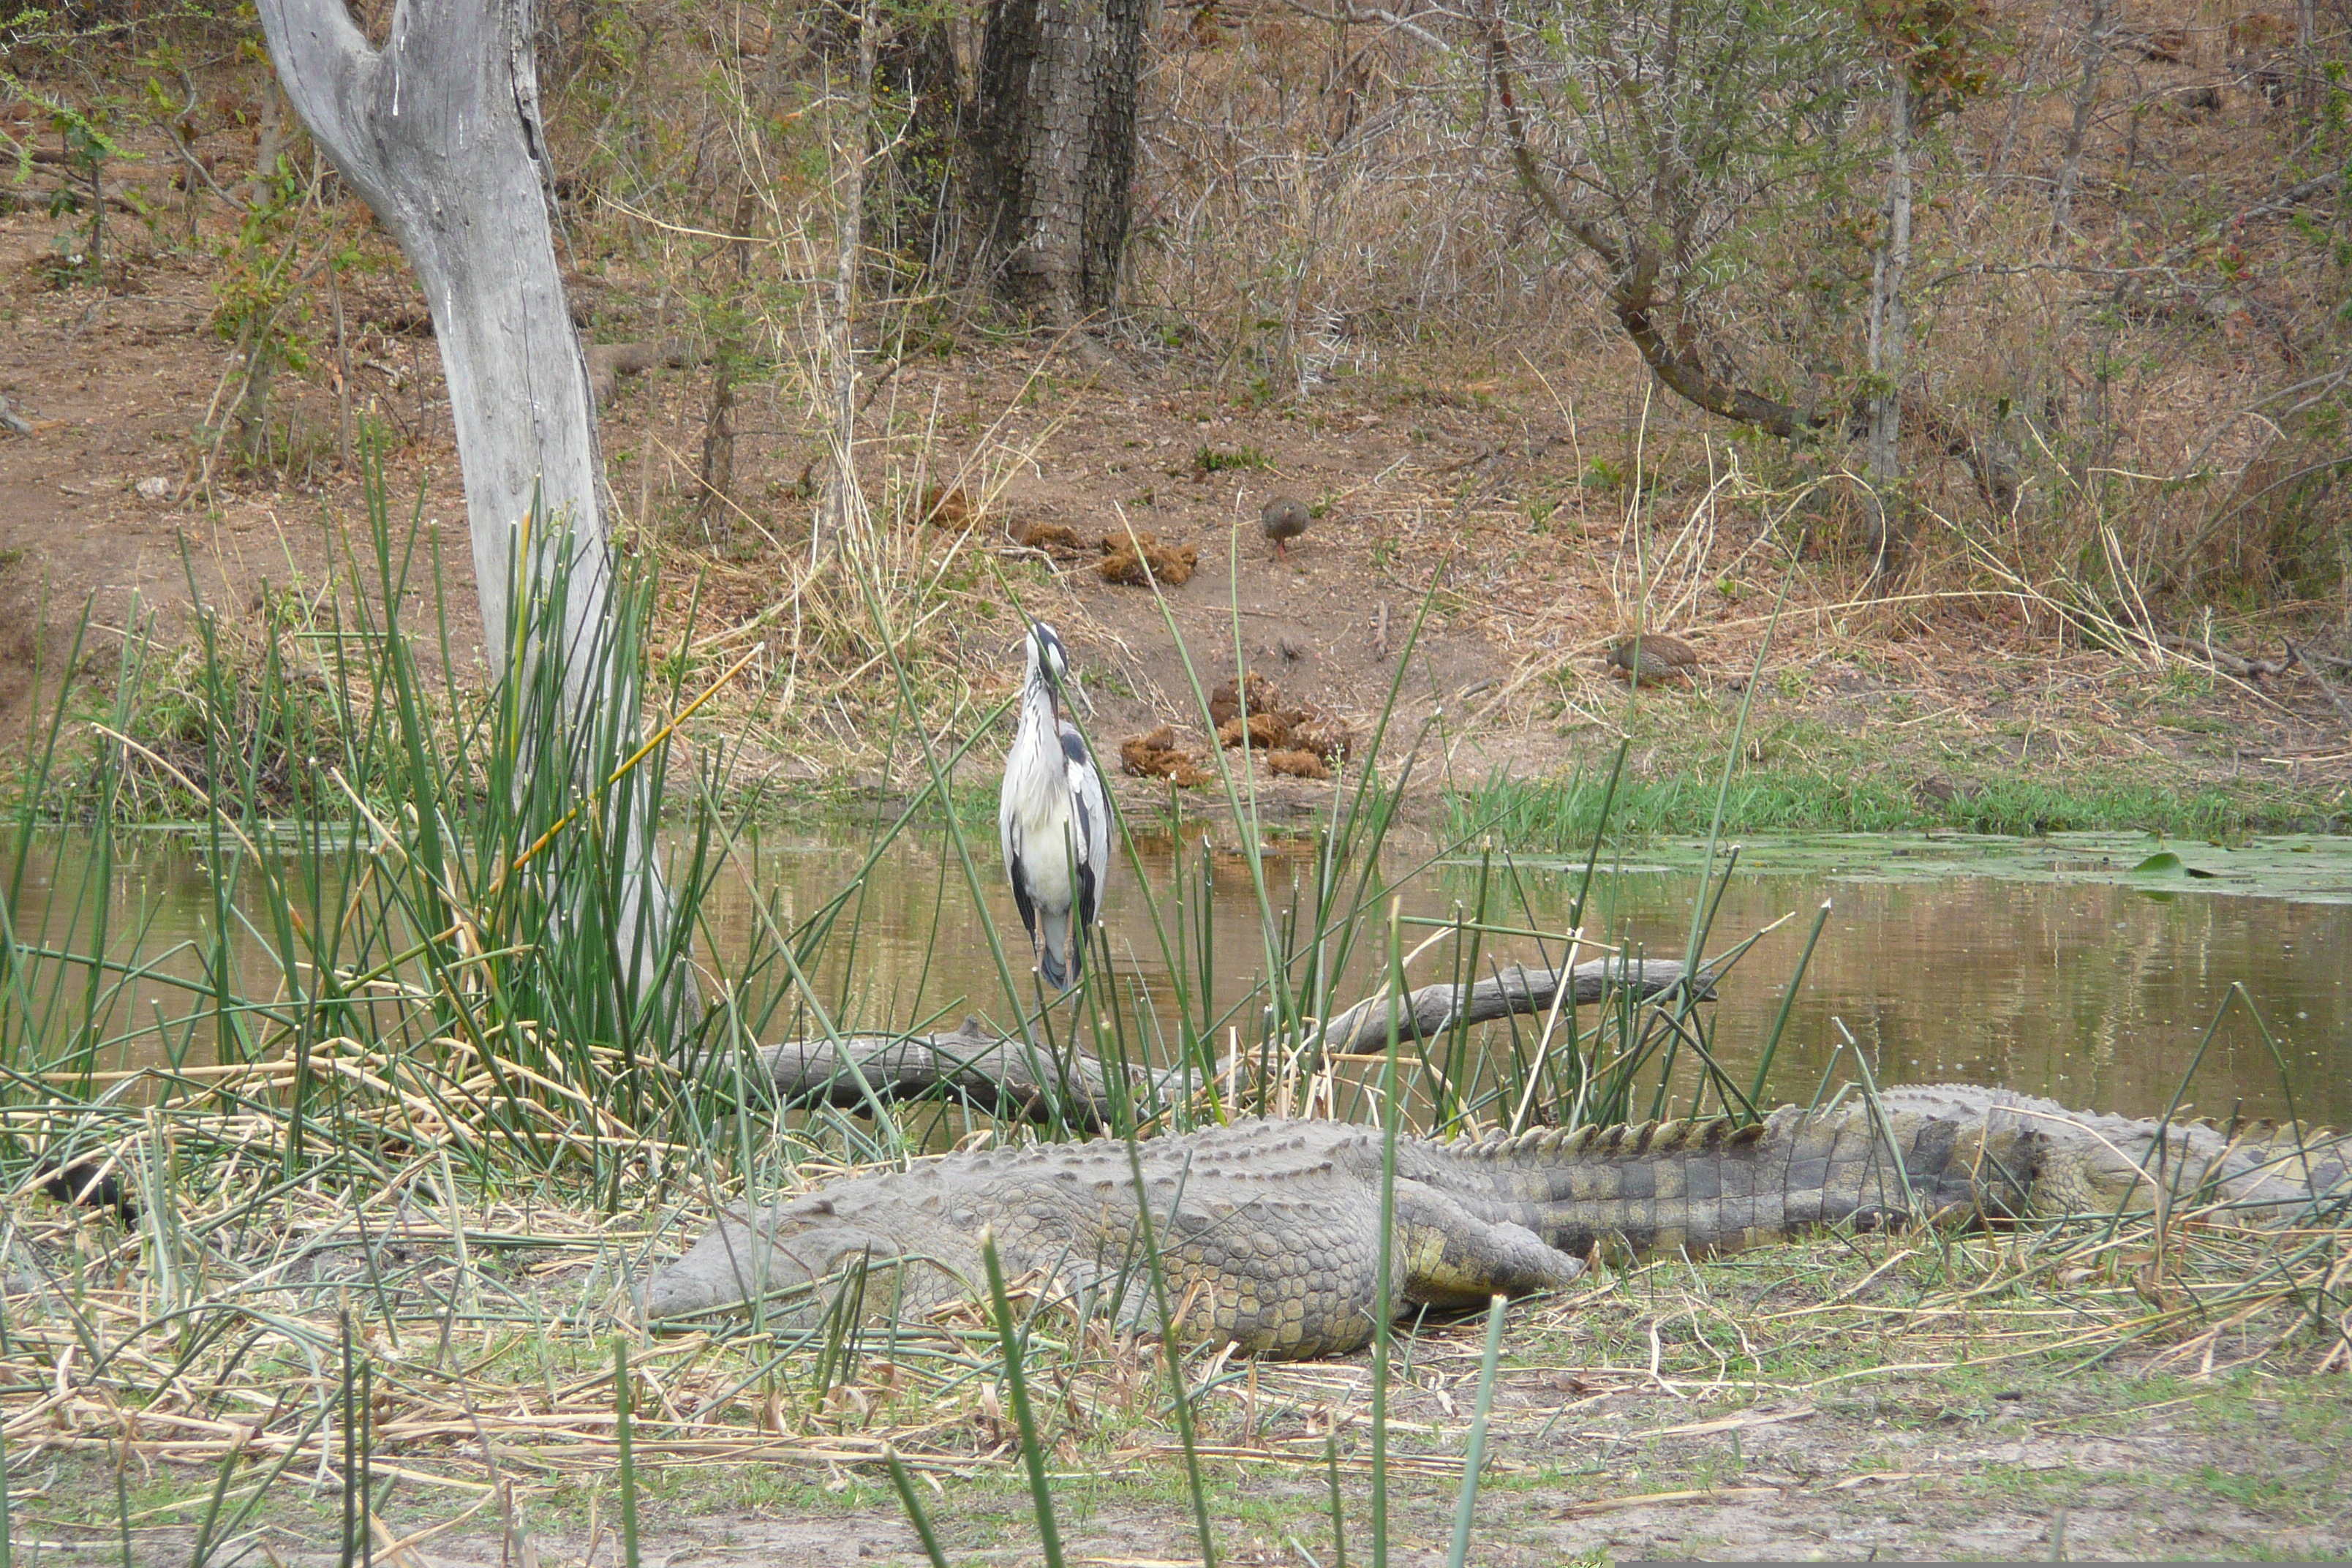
[1055,142]
[1890,333]
[439,134]
[2086,99]
[716,506]
[2308,78]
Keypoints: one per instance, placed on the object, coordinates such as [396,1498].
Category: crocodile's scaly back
[1707,1185]
[1269,1231]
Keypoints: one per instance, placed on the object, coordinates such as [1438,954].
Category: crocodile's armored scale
[1270,1230]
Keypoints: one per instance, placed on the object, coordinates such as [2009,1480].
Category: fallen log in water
[1002,1075]
[1433,1009]
[1007,1076]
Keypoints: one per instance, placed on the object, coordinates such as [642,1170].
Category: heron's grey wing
[1008,833]
[1090,827]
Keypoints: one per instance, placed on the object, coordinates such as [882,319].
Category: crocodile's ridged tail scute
[1710,1183]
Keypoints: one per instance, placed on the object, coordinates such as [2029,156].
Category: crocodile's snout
[673,1294]
[781,1252]
[707,1276]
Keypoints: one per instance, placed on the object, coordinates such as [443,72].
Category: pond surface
[2052,966]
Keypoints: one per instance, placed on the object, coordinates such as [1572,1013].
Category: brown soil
[1432,480]
[101,505]
[1583,1465]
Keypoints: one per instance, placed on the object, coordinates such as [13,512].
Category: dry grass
[225,1331]
[1325,229]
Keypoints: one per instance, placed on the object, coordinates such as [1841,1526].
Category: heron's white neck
[1040,715]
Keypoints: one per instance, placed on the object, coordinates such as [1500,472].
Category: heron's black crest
[1052,657]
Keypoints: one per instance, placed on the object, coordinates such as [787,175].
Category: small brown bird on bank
[1283,519]
[1653,657]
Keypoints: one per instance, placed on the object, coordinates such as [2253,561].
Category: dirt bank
[1451,479]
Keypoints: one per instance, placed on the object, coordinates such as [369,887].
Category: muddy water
[2051,966]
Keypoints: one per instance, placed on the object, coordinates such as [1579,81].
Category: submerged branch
[1002,1075]
[1433,1009]
[1007,1076]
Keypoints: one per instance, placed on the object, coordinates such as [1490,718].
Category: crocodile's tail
[1710,1184]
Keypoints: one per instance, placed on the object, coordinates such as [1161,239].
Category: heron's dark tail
[1055,931]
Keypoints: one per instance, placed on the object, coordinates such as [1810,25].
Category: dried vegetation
[2123,401]
[2125,414]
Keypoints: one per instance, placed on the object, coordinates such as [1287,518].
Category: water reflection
[2093,994]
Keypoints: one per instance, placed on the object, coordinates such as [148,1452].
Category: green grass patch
[1562,817]
[1210,460]
[2029,808]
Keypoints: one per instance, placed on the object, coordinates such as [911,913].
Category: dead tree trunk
[439,132]
[1890,333]
[1056,142]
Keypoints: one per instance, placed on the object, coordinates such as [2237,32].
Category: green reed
[450,959]
[622,1417]
[1016,1384]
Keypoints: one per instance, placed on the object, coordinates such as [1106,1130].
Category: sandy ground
[2012,1464]
[1435,485]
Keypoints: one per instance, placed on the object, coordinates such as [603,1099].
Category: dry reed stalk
[230,1361]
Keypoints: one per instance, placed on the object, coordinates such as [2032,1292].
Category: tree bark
[439,134]
[1890,333]
[1057,140]
[2086,99]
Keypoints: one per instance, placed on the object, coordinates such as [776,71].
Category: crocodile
[1270,1230]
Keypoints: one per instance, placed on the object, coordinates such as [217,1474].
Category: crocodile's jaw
[782,1258]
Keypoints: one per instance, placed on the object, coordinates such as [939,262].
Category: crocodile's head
[2108,1165]
[790,1249]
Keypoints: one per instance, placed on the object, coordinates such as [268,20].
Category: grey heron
[1053,816]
